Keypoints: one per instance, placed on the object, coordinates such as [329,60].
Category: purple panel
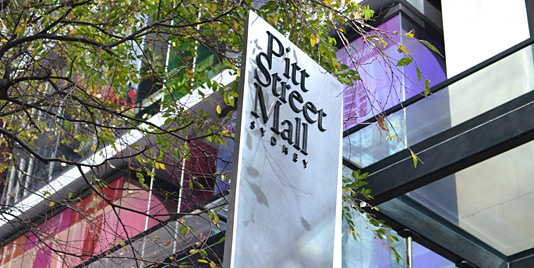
[426,60]
[383,84]
[423,257]
[380,85]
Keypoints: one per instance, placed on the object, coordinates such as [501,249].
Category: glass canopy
[492,200]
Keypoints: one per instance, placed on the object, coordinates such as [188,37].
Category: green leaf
[427,87]
[404,61]
[381,233]
[70,195]
[418,74]
[431,47]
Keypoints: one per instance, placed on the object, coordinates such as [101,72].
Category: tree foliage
[69,70]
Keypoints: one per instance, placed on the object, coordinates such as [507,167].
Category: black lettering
[303,76]
[304,139]
[273,141]
[294,74]
[263,70]
[295,157]
[284,89]
[320,123]
[305,163]
[276,119]
[292,96]
[286,70]
[275,80]
[309,107]
[284,149]
[252,125]
[287,133]
[270,51]
[297,133]
[275,108]
[262,131]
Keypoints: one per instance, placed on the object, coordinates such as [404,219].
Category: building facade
[465,204]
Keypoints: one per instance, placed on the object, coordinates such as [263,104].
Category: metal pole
[179,206]
[148,212]
[408,261]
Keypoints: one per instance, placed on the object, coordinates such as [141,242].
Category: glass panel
[368,251]
[424,257]
[491,200]
[478,93]
[470,30]
[383,84]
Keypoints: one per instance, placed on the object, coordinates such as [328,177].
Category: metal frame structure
[498,130]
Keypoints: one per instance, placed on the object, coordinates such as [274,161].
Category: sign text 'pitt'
[289,88]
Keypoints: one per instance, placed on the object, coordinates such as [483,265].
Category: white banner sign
[285,204]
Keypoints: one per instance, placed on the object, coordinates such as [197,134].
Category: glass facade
[487,202]
[491,200]
[384,86]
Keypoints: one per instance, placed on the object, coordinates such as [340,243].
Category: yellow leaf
[313,40]
[93,147]
[273,20]
[193,251]
[213,265]
[162,166]
[36,64]
[202,260]
[51,204]
[76,150]
[414,159]
[219,110]
[358,16]
[410,33]
[236,25]
[403,49]
[216,220]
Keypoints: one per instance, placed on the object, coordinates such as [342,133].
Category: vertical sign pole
[285,201]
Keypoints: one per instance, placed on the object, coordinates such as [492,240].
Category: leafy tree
[69,70]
